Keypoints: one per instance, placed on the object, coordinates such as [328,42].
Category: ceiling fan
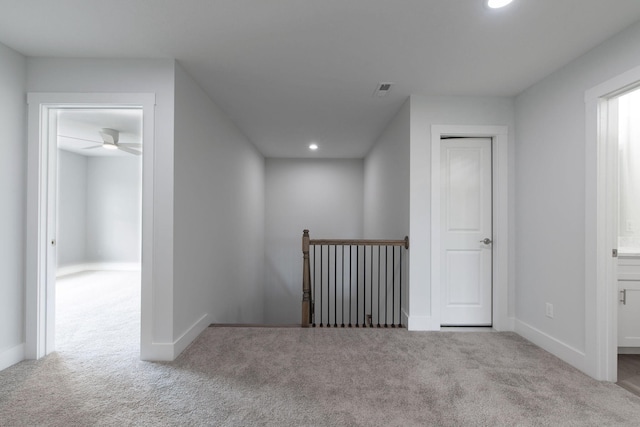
[110,139]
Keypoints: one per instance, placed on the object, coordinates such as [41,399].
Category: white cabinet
[629,306]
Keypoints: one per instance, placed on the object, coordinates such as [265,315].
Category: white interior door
[466,232]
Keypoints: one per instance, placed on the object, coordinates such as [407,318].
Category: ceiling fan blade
[92,148]
[129,150]
[130,145]
[80,139]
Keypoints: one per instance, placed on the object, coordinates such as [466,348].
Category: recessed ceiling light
[496,4]
[313,147]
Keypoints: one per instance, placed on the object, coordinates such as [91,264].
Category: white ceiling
[289,72]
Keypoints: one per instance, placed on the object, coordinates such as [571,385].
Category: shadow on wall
[282,303]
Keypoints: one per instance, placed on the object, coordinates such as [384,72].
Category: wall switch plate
[549,310]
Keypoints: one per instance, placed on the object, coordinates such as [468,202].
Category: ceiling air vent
[383,89]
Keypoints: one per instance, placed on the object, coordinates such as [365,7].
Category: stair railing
[354,282]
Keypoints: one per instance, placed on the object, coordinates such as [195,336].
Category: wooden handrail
[360,242]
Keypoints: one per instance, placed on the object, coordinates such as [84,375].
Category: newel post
[306,281]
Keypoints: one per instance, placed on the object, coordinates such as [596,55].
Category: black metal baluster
[350,279]
[357,286]
[313,288]
[378,287]
[386,283]
[400,294]
[342,290]
[371,289]
[335,286]
[321,283]
[393,289]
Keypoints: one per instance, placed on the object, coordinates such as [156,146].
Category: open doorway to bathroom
[98,221]
[627,109]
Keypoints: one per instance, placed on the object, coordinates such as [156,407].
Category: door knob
[486,241]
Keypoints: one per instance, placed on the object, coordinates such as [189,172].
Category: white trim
[556,347]
[97,266]
[158,352]
[11,356]
[422,323]
[36,330]
[169,351]
[501,321]
[600,281]
[405,318]
[191,334]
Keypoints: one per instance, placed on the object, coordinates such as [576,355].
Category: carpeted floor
[311,377]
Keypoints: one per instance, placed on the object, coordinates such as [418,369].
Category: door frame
[500,221]
[601,213]
[39,291]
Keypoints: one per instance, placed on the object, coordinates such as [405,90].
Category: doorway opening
[629,241]
[43,204]
[98,200]
[624,118]
[499,239]
[603,222]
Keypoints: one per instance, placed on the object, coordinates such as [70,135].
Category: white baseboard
[11,356]
[190,335]
[509,325]
[156,352]
[97,266]
[572,356]
[422,323]
[166,352]
[404,318]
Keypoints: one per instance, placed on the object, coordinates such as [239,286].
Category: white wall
[386,186]
[72,209]
[440,110]
[113,209]
[386,181]
[133,76]
[13,196]
[324,196]
[219,215]
[551,179]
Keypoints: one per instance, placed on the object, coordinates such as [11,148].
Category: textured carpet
[311,377]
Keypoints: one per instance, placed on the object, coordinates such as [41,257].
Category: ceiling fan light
[109,146]
[496,4]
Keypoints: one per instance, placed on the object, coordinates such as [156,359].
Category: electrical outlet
[549,310]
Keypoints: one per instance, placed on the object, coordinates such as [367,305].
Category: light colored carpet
[312,377]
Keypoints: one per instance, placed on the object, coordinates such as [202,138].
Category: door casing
[500,297]
[39,295]
[601,290]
